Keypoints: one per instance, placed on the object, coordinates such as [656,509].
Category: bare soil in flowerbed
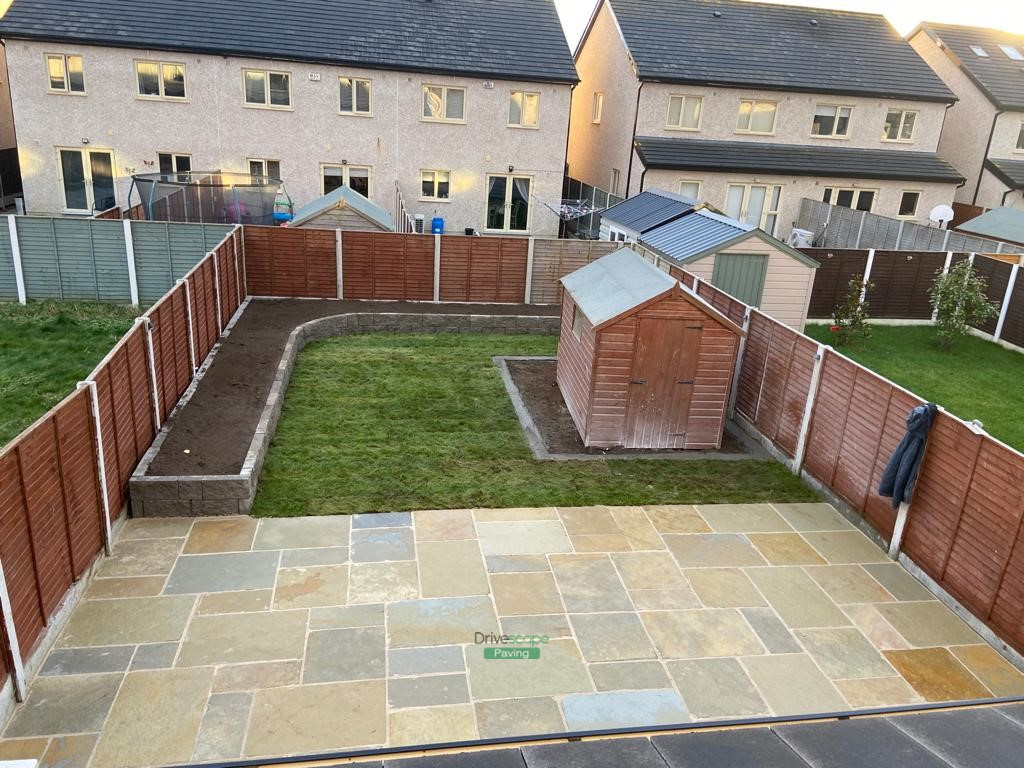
[219,421]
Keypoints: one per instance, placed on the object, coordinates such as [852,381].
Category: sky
[902,14]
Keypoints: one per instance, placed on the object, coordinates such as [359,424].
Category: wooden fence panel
[878,510]
[16,551]
[732,308]
[553,259]
[832,278]
[280,261]
[997,275]
[901,281]
[1013,326]
[755,354]
[483,269]
[828,420]
[456,257]
[387,266]
[77,461]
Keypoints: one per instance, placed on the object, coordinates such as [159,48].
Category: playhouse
[642,361]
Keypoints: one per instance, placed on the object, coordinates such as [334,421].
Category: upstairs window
[523,109]
[1012,53]
[355,96]
[355,177]
[908,204]
[858,199]
[65,73]
[899,125]
[444,103]
[597,108]
[756,116]
[160,80]
[684,112]
[171,163]
[267,89]
[435,185]
[979,51]
[271,169]
[831,120]
[613,185]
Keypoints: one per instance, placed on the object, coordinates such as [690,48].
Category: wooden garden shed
[642,361]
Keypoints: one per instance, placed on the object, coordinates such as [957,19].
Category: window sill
[440,121]
[506,232]
[524,127]
[168,99]
[681,129]
[897,141]
[52,92]
[445,200]
[754,133]
[354,114]
[833,138]
[78,213]
[268,107]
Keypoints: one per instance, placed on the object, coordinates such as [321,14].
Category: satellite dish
[941,214]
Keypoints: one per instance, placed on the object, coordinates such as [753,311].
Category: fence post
[19,274]
[899,234]
[11,633]
[897,531]
[339,269]
[945,271]
[867,274]
[805,423]
[1006,301]
[191,329]
[240,231]
[147,325]
[945,240]
[101,462]
[529,271]
[437,268]
[129,249]
[860,229]
[238,285]
[216,289]
[740,349]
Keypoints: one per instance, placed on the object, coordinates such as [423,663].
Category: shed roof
[703,232]
[649,209]
[613,285]
[997,75]
[998,224]
[793,159]
[463,37]
[739,43]
[1010,172]
[345,197]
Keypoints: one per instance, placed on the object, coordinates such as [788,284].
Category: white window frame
[979,51]
[434,198]
[899,126]
[263,161]
[346,175]
[522,110]
[856,191]
[917,204]
[835,124]
[174,161]
[614,181]
[1020,138]
[618,236]
[445,90]
[753,106]
[699,184]
[66,90]
[160,75]
[509,179]
[670,126]
[597,108]
[87,170]
[766,211]
[266,90]
[354,112]
[1012,52]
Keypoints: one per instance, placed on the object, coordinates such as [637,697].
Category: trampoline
[212,197]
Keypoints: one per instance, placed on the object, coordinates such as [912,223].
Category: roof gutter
[632,139]
[984,157]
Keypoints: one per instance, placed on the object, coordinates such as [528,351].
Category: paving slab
[154,656]
[67,704]
[155,528]
[525,594]
[516,563]
[306,719]
[798,600]
[648,570]
[723,587]
[716,688]
[444,524]
[79,661]
[611,637]
[451,568]
[772,632]
[220,737]
[840,547]
[713,550]
[637,527]
[880,632]
[813,517]
[428,691]
[341,616]
[334,655]
[663,599]
[635,753]
[381,520]
[980,738]
[743,518]
[559,670]
[878,692]
[291,558]
[226,572]
[376,545]
[232,534]
[143,557]
[256,675]
[701,633]
[898,582]
[998,675]
[302,532]
[515,514]
[23,749]
[532,537]
[244,601]
[382,582]
[432,725]
[742,748]
[936,674]
[551,624]
[629,675]
[600,542]
[504,718]
[125,586]
[843,653]
[588,520]
[785,549]
[69,751]
[857,743]
[128,620]
[311,587]
[775,678]
[676,518]
[425,661]
[849,584]
[589,583]
[242,637]
[928,624]
[439,621]
[623,709]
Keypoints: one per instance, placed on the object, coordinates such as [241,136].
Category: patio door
[508,203]
[661,382]
[87,179]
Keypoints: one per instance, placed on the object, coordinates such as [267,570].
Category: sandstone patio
[214,639]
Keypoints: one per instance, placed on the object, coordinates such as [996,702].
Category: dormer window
[1012,52]
[979,51]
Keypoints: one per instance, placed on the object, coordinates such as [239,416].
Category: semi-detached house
[753,107]
[984,131]
[460,106]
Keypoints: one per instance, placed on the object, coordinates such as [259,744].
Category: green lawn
[397,422]
[46,348]
[976,379]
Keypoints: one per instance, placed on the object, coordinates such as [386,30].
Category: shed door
[661,382]
[741,275]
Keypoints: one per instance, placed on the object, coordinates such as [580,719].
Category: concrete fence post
[437,268]
[898,529]
[101,463]
[129,249]
[240,232]
[805,423]
[216,292]
[11,633]
[238,281]
[867,273]
[529,271]
[741,348]
[1006,300]
[899,234]
[191,326]
[339,266]
[147,326]
[860,228]
[19,274]
[945,240]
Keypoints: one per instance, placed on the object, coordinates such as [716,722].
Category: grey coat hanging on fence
[901,471]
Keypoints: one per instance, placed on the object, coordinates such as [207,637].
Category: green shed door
[741,275]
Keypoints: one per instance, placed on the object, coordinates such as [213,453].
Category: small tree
[959,301]
[850,319]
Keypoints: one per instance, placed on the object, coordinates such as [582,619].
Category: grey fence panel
[111,258]
[76,261]
[40,258]
[153,265]
[190,243]
[8,282]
